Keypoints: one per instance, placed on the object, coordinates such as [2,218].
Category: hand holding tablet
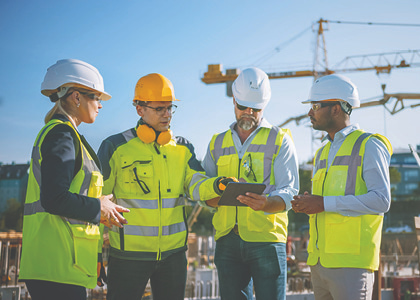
[234,189]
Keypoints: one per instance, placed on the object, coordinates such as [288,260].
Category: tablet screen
[234,189]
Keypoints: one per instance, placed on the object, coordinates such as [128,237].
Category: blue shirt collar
[341,135]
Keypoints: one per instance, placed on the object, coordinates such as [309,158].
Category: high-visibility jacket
[151,180]
[339,241]
[258,160]
[56,248]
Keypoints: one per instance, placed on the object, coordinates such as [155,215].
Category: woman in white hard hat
[64,203]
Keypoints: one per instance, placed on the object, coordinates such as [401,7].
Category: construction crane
[381,63]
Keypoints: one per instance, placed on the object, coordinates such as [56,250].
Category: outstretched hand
[110,212]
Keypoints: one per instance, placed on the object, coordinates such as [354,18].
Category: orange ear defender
[148,135]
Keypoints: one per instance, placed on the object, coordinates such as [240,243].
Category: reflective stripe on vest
[269,149]
[156,222]
[352,161]
[152,204]
[69,246]
[87,166]
[339,241]
[254,226]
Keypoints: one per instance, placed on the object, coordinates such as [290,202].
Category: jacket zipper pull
[156,148]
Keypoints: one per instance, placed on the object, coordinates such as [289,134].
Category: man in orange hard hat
[150,170]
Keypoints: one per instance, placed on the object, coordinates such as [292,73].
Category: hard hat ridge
[67,72]
[252,88]
[154,87]
[332,87]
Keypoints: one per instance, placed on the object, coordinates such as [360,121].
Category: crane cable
[373,23]
[279,47]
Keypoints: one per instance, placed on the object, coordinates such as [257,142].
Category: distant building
[409,186]
[13,181]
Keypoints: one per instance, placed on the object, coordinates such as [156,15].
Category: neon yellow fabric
[253,226]
[151,180]
[56,248]
[337,240]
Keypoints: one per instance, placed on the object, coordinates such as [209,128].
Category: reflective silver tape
[173,202]
[33,208]
[218,150]
[196,191]
[353,162]
[128,135]
[174,228]
[197,177]
[320,164]
[138,203]
[141,230]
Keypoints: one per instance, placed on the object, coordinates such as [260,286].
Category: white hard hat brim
[255,105]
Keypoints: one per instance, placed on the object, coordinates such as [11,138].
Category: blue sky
[126,40]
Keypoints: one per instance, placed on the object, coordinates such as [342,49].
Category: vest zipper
[239,174]
[159,254]
[121,238]
[316,216]
[156,148]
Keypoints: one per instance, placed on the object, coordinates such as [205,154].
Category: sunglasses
[318,105]
[247,164]
[241,107]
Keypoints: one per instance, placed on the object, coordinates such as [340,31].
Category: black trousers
[48,290]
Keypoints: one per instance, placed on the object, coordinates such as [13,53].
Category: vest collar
[342,134]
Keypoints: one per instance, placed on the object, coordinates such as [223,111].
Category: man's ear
[336,110]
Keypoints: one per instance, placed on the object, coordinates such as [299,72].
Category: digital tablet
[234,189]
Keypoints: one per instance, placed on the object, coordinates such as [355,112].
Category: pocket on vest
[96,184]
[137,176]
[85,243]
[342,234]
[260,222]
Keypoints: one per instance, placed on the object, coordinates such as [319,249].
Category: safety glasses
[241,107]
[247,165]
[91,96]
[317,105]
[162,109]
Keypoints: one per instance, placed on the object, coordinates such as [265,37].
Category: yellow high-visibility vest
[339,241]
[151,181]
[56,248]
[253,226]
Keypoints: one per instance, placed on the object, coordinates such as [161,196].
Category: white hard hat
[334,87]
[67,71]
[252,88]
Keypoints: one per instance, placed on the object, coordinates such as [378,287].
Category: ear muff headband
[148,135]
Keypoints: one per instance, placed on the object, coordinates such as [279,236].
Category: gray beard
[246,124]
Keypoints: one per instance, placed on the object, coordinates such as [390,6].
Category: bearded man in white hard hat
[251,238]
[350,194]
